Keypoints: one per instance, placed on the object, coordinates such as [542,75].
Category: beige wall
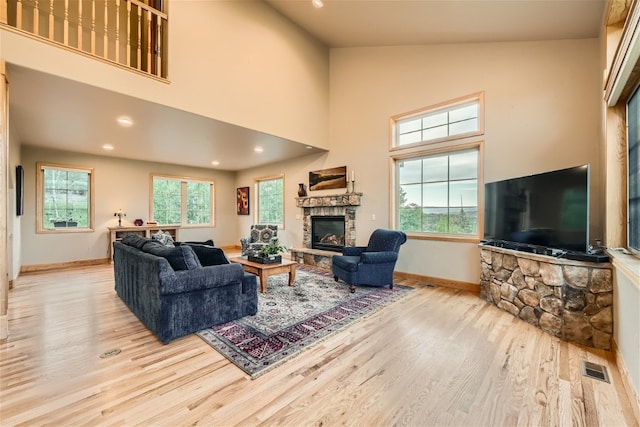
[240,62]
[542,113]
[119,184]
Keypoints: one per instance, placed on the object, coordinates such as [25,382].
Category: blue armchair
[371,265]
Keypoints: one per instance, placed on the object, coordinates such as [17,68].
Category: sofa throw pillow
[180,257]
[163,237]
[134,240]
[208,255]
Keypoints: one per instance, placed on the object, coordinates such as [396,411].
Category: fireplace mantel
[344,199]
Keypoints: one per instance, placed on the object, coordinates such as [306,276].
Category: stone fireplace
[328,206]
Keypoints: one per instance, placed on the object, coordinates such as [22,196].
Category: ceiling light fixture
[258,149]
[107,147]
[124,121]
[317,3]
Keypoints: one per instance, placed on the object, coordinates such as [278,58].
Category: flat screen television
[548,210]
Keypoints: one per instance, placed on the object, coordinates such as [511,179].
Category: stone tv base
[572,300]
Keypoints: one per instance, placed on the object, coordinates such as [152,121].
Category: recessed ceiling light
[107,147]
[258,149]
[215,163]
[125,121]
[317,3]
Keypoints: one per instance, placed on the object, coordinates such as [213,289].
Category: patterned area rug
[293,319]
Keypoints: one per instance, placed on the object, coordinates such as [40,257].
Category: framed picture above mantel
[326,179]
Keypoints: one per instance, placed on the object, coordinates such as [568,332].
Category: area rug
[292,319]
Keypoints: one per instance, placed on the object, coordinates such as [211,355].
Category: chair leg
[352,289]
[391,286]
[335,278]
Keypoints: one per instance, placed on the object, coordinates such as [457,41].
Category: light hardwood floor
[438,357]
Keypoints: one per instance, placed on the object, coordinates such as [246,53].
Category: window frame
[629,226]
[425,235]
[183,199]
[257,198]
[445,106]
[40,193]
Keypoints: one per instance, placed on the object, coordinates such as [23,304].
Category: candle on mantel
[353,175]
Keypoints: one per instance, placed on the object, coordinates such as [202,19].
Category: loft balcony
[127,33]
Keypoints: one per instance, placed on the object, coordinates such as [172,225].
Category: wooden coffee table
[263,271]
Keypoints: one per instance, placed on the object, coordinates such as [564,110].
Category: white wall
[119,184]
[235,61]
[13,221]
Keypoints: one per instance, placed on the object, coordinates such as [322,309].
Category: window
[438,193]
[182,201]
[455,119]
[633,169]
[270,196]
[65,198]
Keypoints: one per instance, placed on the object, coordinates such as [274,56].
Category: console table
[117,233]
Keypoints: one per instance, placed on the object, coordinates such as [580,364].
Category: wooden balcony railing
[132,33]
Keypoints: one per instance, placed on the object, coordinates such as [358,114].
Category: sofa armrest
[378,257]
[353,250]
[204,278]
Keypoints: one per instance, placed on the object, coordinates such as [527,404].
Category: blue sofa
[172,294]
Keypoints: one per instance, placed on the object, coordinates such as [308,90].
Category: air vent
[593,370]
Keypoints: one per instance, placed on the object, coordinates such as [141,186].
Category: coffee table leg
[263,281]
[292,274]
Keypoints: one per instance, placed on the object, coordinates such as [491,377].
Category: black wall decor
[19,190]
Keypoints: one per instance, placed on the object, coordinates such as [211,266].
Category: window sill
[626,264]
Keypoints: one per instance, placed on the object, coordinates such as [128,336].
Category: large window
[270,197]
[436,191]
[65,198]
[633,168]
[182,201]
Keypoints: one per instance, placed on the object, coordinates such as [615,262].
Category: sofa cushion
[208,255]
[205,242]
[134,240]
[180,257]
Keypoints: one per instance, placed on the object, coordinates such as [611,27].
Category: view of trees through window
[439,193]
[271,201]
[66,198]
[168,196]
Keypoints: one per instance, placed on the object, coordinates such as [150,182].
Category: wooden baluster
[19,14]
[4,15]
[128,34]
[117,53]
[65,24]
[36,17]
[159,46]
[93,27]
[51,21]
[105,40]
[150,48]
[139,53]
[80,32]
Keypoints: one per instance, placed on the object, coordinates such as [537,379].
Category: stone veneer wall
[571,300]
[332,205]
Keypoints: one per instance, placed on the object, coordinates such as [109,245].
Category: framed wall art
[242,200]
[326,179]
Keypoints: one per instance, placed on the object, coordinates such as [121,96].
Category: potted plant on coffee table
[270,254]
